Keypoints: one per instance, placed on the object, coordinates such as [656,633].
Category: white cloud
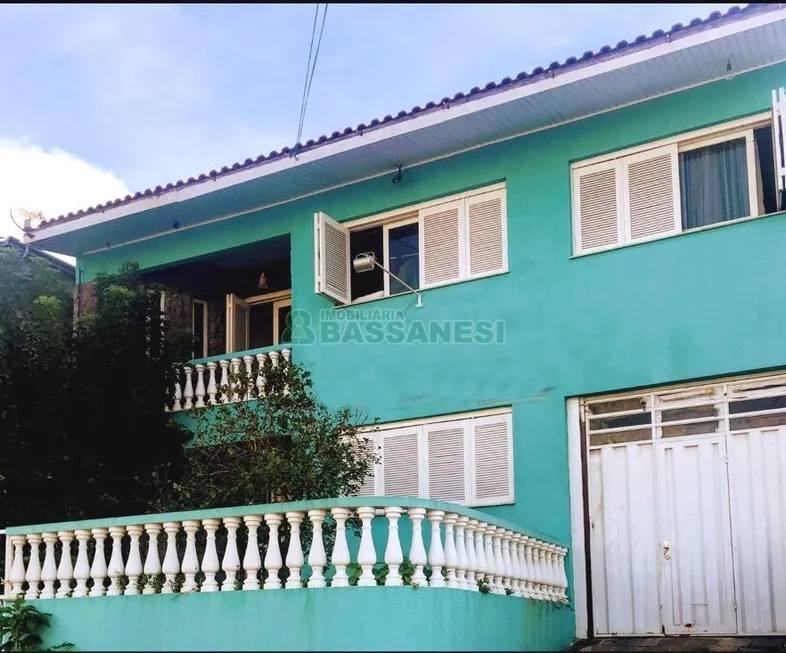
[53,182]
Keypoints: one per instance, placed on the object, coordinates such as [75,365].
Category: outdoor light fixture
[367,261]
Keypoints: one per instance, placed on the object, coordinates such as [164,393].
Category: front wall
[335,619]
[692,306]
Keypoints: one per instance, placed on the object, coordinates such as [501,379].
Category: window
[433,244]
[199,328]
[259,321]
[685,184]
[466,459]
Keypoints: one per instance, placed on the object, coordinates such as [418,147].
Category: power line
[310,68]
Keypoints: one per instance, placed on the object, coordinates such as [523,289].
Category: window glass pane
[714,184]
[260,325]
[284,327]
[404,254]
[366,284]
[765,160]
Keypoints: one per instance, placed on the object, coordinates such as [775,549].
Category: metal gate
[686,509]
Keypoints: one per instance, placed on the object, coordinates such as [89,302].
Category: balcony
[215,380]
[370,573]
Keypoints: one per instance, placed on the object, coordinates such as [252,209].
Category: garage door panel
[757,460]
[623,540]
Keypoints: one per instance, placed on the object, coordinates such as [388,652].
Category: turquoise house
[560,295]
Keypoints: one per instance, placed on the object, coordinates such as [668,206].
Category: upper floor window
[696,180]
[427,245]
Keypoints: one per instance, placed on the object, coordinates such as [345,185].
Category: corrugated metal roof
[542,72]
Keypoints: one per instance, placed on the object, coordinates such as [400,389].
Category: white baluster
[49,570]
[200,385]
[33,575]
[515,563]
[188,391]
[543,571]
[537,587]
[393,554]
[252,562]
[152,568]
[529,569]
[317,558]
[563,577]
[273,561]
[507,563]
[436,554]
[231,561]
[480,552]
[210,559]
[236,383]
[249,360]
[451,556]
[190,565]
[261,358]
[462,561]
[65,570]
[499,566]
[116,568]
[417,552]
[82,567]
[274,358]
[171,566]
[212,387]
[472,558]
[17,571]
[286,355]
[98,570]
[551,557]
[488,554]
[340,557]
[176,406]
[134,563]
[224,385]
[367,555]
[295,550]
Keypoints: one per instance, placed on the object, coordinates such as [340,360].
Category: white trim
[578,553]
[270,297]
[386,227]
[377,134]
[435,419]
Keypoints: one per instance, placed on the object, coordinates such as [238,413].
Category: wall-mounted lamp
[729,69]
[262,285]
[397,177]
[367,261]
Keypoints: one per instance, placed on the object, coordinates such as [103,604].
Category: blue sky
[100,100]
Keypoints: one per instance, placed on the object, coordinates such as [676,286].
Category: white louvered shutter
[596,207]
[448,460]
[441,243]
[493,454]
[487,233]
[400,462]
[368,488]
[237,324]
[779,142]
[332,259]
[651,192]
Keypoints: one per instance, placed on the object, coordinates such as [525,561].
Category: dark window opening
[200,328]
[260,325]
[284,326]
[404,254]
[369,283]
[765,157]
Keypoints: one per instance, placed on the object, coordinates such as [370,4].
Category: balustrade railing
[217,381]
[313,544]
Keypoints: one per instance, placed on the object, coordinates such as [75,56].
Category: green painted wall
[692,306]
[335,619]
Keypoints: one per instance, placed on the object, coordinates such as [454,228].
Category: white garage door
[687,503]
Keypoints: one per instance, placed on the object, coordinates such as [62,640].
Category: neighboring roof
[606,52]
[53,261]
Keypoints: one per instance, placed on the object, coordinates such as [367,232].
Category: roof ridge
[606,51]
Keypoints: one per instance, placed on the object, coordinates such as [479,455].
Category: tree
[284,446]
[82,424]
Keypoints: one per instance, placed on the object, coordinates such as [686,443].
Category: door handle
[666,549]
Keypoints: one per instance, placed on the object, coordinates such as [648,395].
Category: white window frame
[403,216]
[279,299]
[731,130]
[194,304]
[466,420]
